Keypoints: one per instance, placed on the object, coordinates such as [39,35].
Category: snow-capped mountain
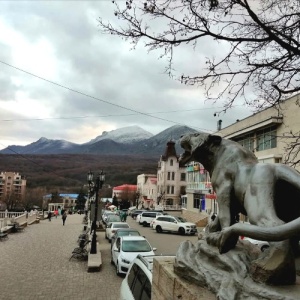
[125,135]
[123,141]
[42,146]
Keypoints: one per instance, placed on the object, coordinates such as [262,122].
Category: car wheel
[181,231]
[109,240]
[264,248]
[117,269]
[145,224]
[112,261]
[158,229]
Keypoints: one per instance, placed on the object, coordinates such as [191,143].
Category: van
[147,216]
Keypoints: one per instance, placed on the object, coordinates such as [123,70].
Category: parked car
[263,245]
[147,216]
[126,249]
[112,228]
[106,214]
[124,232]
[131,210]
[173,224]
[136,212]
[137,284]
[113,218]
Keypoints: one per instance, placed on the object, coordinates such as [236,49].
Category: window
[132,274]
[196,202]
[247,141]
[266,139]
[172,189]
[173,175]
[182,176]
[171,162]
[169,175]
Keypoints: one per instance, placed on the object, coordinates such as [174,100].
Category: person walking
[49,215]
[64,217]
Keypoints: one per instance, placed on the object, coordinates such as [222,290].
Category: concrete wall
[166,285]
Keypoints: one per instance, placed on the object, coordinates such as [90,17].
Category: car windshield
[126,233]
[124,225]
[136,246]
[179,219]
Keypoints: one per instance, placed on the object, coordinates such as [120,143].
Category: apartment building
[12,189]
[264,133]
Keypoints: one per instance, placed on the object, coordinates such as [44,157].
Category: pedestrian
[56,213]
[64,216]
[49,215]
[125,216]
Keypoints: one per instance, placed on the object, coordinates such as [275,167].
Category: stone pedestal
[166,285]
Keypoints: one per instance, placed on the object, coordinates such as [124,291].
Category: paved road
[34,264]
[166,243]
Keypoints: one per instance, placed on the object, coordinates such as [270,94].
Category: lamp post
[94,190]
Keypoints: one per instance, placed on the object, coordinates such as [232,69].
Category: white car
[112,228]
[263,245]
[126,249]
[173,224]
[141,267]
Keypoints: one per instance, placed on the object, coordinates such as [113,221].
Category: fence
[7,217]
[172,207]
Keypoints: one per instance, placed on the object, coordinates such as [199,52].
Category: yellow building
[12,190]
[264,132]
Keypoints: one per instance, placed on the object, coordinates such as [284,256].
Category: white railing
[172,207]
[10,214]
[19,217]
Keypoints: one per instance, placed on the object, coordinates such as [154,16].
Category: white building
[171,178]
[147,190]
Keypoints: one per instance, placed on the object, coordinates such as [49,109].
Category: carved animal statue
[269,194]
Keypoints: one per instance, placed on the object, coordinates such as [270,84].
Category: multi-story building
[147,190]
[12,189]
[264,132]
[200,200]
[171,177]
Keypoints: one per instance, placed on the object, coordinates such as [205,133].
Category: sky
[62,78]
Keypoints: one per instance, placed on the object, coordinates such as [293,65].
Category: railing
[172,207]
[19,217]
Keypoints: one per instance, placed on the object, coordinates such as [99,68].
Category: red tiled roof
[130,187]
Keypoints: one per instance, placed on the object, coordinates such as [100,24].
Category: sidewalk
[34,264]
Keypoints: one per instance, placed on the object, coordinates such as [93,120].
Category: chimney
[219,125]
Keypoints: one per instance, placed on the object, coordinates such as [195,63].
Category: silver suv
[174,224]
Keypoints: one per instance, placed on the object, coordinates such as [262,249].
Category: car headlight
[126,261]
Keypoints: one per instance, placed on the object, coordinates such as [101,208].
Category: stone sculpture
[269,194]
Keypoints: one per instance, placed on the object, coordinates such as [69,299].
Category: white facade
[171,177]
[141,187]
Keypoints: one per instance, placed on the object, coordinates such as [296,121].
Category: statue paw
[227,240]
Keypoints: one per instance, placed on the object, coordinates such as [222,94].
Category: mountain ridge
[122,141]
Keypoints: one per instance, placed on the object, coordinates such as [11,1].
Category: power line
[96,98]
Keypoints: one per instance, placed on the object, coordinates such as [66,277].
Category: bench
[3,235]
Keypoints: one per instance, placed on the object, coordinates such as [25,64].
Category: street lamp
[94,189]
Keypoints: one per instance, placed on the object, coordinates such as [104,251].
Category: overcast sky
[61,78]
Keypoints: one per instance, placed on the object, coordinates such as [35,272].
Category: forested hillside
[67,172]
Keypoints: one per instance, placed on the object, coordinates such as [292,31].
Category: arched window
[171,162]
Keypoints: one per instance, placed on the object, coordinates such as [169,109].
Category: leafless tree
[260,42]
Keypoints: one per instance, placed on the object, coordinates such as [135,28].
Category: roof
[63,196]
[132,238]
[126,187]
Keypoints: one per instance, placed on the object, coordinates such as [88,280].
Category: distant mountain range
[124,141]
